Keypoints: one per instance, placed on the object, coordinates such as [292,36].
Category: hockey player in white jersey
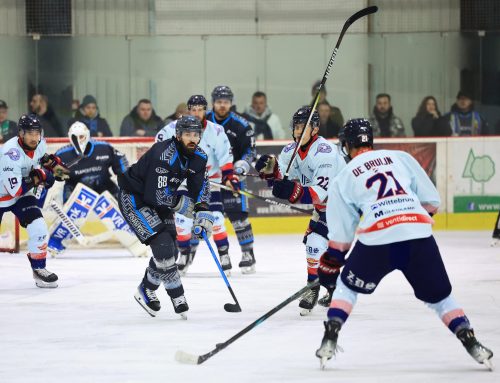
[397,199]
[23,171]
[215,144]
[316,162]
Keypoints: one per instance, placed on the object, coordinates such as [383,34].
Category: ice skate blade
[248,270]
[45,285]
[141,302]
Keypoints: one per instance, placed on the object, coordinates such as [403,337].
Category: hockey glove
[241,167]
[329,267]
[184,206]
[203,221]
[286,189]
[54,164]
[232,181]
[267,166]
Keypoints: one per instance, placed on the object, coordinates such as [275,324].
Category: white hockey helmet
[82,133]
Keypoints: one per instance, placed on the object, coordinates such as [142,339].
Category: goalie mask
[82,133]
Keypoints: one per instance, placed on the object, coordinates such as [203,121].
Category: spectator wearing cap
[463,119]
[142,121]
[180,110]
[8,128]
[335,113]
[265,123]
[428,122]
[89,114]
[39,105]
[383,120]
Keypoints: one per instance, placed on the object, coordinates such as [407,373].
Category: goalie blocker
[77,208]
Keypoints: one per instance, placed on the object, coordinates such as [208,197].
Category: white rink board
[90,329]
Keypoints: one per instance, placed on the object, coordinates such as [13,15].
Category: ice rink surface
[90,329]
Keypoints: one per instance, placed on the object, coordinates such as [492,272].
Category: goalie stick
[268,200]
[187,358]
[364,12]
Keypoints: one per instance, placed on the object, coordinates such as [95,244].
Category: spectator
[266,124]
[383,120]
[8,128]
[141,121]
[335,113]
[88,113]
[327,127]
[428,122]
[463,119]
[39,105]
[181,110]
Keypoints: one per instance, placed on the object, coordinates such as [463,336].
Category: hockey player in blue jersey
[149,198]
[25,167]
[317,160]
[241,138]
[396,199]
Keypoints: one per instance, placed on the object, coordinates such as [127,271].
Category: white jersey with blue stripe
[314,167]
[214,143]
[392,192]
[17,164]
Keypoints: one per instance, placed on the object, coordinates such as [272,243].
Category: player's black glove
[286,189]
[267,167]
[54,164]
[329,267]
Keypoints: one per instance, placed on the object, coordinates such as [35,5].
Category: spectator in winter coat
[327,127]
[8,128]
[88,113]
[141,121]
[428,122]
[39,105]
[335,113]
[383,120]
[463,119]
[265,123]
[181,110]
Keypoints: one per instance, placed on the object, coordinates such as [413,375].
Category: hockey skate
[225,262]
[475,349]
[329,346]
[147,299]
[180,306]
[309,300]
[327,298]
[247,264]
[44,278]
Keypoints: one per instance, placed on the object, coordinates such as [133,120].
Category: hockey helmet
[82,134]
[222,92]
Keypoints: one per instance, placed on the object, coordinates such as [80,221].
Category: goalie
[90,188]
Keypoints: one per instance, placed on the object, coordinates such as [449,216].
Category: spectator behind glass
[39,105]
[428,122]
[181,110]
[265,123]
[463,119]
[327,127]
[383,120]
[88,113]
[335,113]
[141,121]
[8,128]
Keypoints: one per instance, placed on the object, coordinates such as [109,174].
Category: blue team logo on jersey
[289,147]
[323,148]
[13,154]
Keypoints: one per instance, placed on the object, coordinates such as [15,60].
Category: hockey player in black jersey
[93,169]
[241,138]
[148,200]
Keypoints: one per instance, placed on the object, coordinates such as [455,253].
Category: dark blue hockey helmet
[356,133]
[29,122]
[188,124]
[196,100]
[222,92]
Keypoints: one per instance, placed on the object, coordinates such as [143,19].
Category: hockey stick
[364,12]
[268,200]
[229,307]
[187,358]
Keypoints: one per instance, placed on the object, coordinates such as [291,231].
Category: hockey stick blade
[232,308]
[187,358]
